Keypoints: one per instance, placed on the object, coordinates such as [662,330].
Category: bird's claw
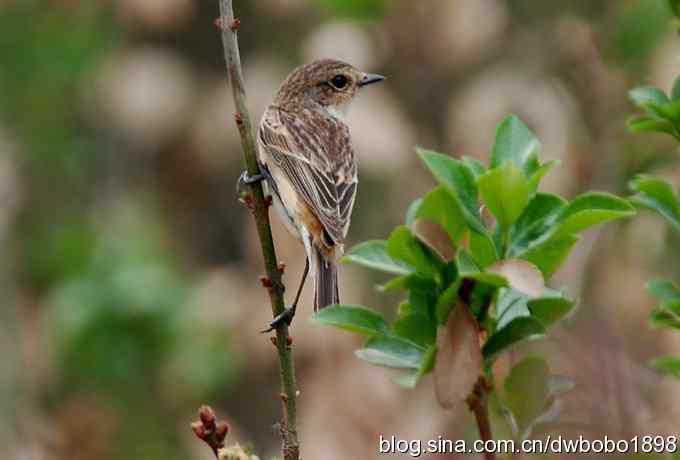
[245,178]
[285,317]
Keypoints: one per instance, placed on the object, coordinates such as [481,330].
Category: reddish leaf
[459,358]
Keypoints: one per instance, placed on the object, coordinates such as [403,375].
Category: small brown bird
[308,162]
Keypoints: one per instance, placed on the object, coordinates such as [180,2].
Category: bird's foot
[245,178]
[285,317]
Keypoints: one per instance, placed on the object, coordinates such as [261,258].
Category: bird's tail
[325,281]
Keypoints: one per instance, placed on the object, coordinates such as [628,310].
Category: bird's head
[328,83]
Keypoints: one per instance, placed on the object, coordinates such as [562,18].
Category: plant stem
[478,404]
[260,207]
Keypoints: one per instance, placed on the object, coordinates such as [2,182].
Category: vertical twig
[478,404]
[259,205]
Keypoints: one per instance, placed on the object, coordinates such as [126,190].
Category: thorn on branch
[239,118]
[209,430]
[268,200]
[282,267]
[246,200]
[284,397]
[274,340]
[266,282]
[289,342]
[480,389]
[234,26]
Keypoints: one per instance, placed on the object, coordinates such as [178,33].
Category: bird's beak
[370,78]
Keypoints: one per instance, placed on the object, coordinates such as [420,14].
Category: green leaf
[398,282]
[408,282]
[511,304]
[439,207]
[353,318]
[551,307]
[373,254]
[428,361]
[672,112]
[459,181]
[446,301]
[663,290]
[466,265]
[667,314]
[412,211]
[468,269]
[483,249]
[527,392]
[416,328]
[404,309]
[505,191]
[403,246]
[662,112]
[517,144]
[669,364]
[536,176]
[656,194]
[644,123]
[537,220]
[476,168]
[492,279]
[422,296]
[590,209]
[391,352]
[549,255]
[675,92]
[408,380]
[518,330]
[644,95]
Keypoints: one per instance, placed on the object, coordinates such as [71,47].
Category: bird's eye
[339,81]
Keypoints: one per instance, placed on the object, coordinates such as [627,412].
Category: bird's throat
[338,111]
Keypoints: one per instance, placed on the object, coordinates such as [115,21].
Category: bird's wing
[315,153]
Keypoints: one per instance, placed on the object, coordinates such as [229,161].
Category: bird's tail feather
[325,281]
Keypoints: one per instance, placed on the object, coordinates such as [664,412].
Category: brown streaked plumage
[305,146]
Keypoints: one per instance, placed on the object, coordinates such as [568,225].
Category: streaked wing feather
[326,182]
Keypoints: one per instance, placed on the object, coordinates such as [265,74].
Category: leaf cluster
[662,111]
[472,258]
[666,315]
[658,195]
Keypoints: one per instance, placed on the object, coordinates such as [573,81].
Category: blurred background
[128,271]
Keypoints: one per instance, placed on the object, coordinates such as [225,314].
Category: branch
[477,402]
[259,205]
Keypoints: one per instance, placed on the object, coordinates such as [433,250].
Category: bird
[309,168]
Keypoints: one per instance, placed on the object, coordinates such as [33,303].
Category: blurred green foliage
[662,115]
[121,330]
[640,26]
[40,73]
[674,6]
[118,322]
[357,9]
